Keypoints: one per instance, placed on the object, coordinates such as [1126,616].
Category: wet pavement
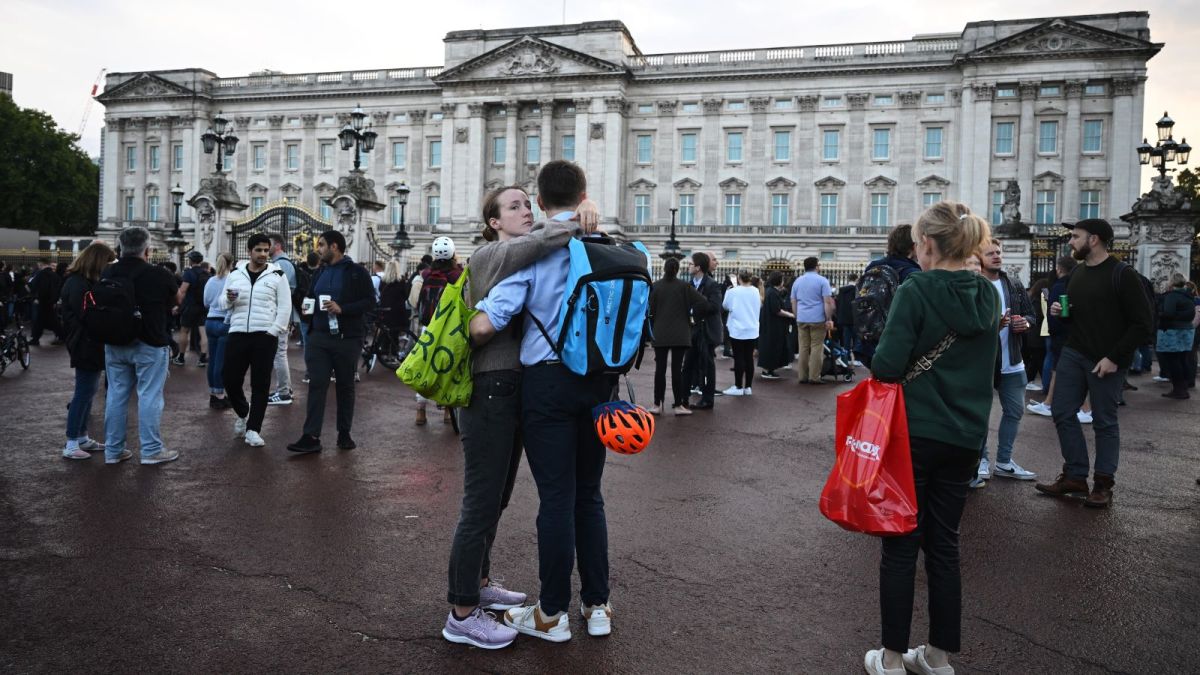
[237,559]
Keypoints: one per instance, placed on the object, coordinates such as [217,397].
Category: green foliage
[1188,182]
[46,182]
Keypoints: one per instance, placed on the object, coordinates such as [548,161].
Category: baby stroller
[838,361]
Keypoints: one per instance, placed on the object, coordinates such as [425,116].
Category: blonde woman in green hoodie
[948,408]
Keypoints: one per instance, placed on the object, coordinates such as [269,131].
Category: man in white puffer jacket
[259,301]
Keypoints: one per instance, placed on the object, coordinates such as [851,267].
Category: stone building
[764,154]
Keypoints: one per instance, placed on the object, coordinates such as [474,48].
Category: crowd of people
[941,299]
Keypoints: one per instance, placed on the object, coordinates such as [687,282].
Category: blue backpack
[604,307]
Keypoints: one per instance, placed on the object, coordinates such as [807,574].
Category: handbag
[870,488]
[438,366]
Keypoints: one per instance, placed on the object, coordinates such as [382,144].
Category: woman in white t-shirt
[743,303]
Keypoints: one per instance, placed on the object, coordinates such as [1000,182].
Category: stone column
[452,208]
[1126,123]
[113,170]
[757,155]
[476,161]
[1026,149]
[276,158]
[583,136]
[1071,142]
[808,156]
[547,132]
[710,147]
[512,142]
[910,153]
[977,190]
[665,158]
[614,136]
[857,156]
[416,160]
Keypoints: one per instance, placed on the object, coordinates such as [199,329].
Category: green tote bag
[439,366]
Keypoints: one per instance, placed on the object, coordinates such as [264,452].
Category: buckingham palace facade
[761,153]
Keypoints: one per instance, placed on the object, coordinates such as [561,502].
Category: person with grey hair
[143,363]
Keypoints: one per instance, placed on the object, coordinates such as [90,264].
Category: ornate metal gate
[299,226]
[1045,250]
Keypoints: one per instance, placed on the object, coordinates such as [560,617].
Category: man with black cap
[1109,315]
[192,312]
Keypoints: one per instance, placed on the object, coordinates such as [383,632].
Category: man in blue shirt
[812,303]
[565,455]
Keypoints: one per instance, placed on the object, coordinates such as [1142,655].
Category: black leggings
[743,362]
[1175,367]
[679,387]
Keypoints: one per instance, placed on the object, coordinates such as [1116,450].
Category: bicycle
[387,345]
[14,349]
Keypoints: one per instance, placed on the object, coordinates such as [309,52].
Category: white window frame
[781,205]
[997,207]
[131,158]
[152,157]
[828,209]
[152,213]
[1043,125]
[1089,204]
[533,149]
[735,152]
[684,149]
[935,98]
[568,147]
[433,209]
[837,145]
[881,203]
[687,208]
[435,153]
[928,199]
[786,147]
[394,210]
[940,144]
[256,204]
[733,209]
[1099,138]
[887,145]
[1045,207]
[645,148]
[1012,139]
[499,150]
[177,156]
[288,156]
[256,156]
[325,155]
[641,210]
[400,155]
[130,213]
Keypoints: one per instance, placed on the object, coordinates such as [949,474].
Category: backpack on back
[110,312]
[872,300]
[435,281]
[195,291]
[603,315]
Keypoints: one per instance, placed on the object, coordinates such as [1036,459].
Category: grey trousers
[1074,380]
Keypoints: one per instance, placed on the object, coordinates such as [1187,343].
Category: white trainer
[733,391]
[1013,470]
[1032,386]
[530,621]
[747,391]
[985,469]
[1039,409]
[914,661]
[1084,417]
[239,426]
[599,619]
[254,440]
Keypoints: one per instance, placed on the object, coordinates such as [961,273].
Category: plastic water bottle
[333,325]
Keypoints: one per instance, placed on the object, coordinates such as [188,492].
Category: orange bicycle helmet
[623,427]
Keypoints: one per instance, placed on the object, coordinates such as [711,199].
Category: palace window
[883,100]
[879,208]
[1004,138]
[499,150]
[997,207]
[293,156]
[733,209]
[435,154]
[641,209]
[130,158]
[1006,92]
[933,142]
[533,149]
[568,148]
[256,204]
[881,141]
[784,104]
[129,214]
[687,209]
[399,155]
[152,157]
[1044,213]
[829,144]
[260,156]
[733,147]
[644,152]
[691,107]
[779,209]
[928,199]
[325,210]
[1047,137]
[1089,204]
[1093,134]
[783,146]
[394,211]
[687,148]
[735,105]
[177,157]
[935,98]
[325,156]
[645,108]
[1094,90]
[1050,90]
[829,209]
[433,209]
[831,102]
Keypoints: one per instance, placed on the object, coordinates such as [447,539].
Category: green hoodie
[952,402]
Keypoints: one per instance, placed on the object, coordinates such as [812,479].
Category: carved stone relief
[275,120]
[857,101]
[759,104]
[808,103]
[310,121]
[596,130]
[1162,265]
[530,61]
[667,107]
[614,104]
[711,105]
[461,134]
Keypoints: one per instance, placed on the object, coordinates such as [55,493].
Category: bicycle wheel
[370,361]
[23,352]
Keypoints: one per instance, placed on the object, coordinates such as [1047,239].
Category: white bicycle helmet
[443,248]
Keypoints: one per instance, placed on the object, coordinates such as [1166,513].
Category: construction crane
[87,108]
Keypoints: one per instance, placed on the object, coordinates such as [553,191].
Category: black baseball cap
[196,257]
[1096,226]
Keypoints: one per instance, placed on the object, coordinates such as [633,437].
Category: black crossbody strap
[926,361]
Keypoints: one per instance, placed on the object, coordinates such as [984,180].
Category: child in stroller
[838,361]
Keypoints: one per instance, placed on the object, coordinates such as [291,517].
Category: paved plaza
[237,559]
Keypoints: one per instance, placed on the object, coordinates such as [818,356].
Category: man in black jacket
[45,287]
[342,294]
[706,335]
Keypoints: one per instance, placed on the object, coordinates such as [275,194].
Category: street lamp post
[401,242]
[218,139]
[671,248]
[176,241]
[1165,150]
[354,136]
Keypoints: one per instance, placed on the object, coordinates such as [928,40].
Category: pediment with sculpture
[529,58]
[1060,38]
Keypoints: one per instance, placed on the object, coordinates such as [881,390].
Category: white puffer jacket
[264,306]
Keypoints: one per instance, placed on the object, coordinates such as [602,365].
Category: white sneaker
[654,410]
[1039,409]
[239,427]
[985,469]
[733,391]
[856,363]
[873,664]
[914,661]
[747,391]
[530,621]
[1032,386]
[161,457]
[75,452]
[599,619]
[1013,470]
[254,440]
[1160,378]
[1084,417]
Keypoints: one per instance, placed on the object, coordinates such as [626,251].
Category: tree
[47,183]
[1188,182]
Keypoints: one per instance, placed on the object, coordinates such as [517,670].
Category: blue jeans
[1074,382]
[1012,402]
[143,367]
[218,337]
[86,384]
[1048,365]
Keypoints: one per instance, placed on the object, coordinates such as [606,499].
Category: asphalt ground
[237,559]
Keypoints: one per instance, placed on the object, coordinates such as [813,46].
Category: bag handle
[926,360]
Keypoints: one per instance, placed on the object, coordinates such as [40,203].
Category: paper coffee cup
[307,306]
[322,299]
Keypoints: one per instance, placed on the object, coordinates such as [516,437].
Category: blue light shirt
[809,291]
[538,288]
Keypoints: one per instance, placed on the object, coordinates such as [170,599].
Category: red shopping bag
[870,489]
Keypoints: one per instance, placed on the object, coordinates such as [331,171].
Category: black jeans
[941,473]
[326,353]
[256,352]
[1175,367]
[743,362]
[45,318]
[679,386]
[567,462]
[491,439]
[700,368]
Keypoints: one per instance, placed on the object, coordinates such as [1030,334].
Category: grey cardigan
[497,260]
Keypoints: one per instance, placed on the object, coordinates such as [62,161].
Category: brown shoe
[421,417]
[1102,489]
[446,416]
[1070,488]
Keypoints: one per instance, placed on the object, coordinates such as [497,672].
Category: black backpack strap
[541,327]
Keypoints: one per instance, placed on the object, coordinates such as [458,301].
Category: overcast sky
[55,48]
